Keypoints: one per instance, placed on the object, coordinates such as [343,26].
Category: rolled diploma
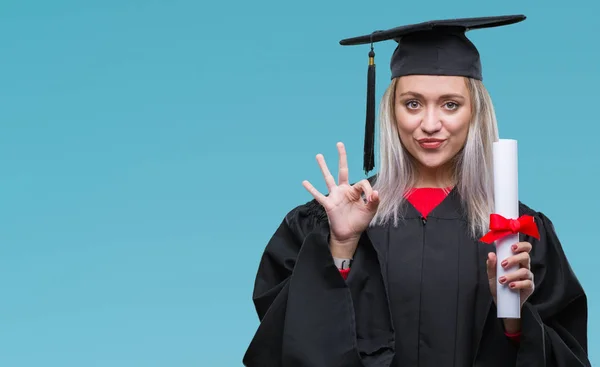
[506,202]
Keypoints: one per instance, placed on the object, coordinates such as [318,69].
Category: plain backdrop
[149,149]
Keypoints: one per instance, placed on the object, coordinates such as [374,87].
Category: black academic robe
[417,295]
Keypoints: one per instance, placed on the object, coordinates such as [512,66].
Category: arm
[308,314]
[554,318]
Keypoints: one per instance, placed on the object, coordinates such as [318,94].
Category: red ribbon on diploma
[500,227]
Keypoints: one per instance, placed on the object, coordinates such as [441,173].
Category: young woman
[390,271]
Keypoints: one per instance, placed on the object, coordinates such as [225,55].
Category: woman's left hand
[521,279]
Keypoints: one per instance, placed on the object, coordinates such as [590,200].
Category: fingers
[523,285]
[342,169]
[521,279]
[373,201]
[329,180]
[521,247]
[363,186]
[491,265]
[522,259]
[343,165]
[314,192]
[519,275]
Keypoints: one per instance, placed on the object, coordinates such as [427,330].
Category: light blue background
[149,149]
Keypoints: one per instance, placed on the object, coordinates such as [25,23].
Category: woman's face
[433,115]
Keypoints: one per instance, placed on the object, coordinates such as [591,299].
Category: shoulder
[548,243]
[525,209]
[540,217]
[305,218]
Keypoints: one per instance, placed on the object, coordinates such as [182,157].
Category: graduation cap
[438,47]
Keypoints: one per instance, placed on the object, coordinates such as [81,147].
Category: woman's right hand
[347,212]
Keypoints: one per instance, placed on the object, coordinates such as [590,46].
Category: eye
[451,105]
[412,105]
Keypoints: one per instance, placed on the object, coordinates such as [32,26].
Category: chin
[432,161]
[432,165]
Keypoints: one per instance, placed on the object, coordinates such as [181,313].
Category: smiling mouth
[430,143]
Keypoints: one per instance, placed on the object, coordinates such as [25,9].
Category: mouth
[430,143]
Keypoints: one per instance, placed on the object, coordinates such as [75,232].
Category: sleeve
[309,315]
[554,318]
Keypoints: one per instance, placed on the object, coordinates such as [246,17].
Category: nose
[431,122]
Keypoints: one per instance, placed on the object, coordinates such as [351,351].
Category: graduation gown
[417,295]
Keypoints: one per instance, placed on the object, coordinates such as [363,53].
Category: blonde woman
[390,271]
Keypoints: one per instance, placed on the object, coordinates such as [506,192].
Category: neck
[440,177]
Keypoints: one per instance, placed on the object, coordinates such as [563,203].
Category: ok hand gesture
[348,213]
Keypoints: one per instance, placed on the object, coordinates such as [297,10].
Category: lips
[430,143]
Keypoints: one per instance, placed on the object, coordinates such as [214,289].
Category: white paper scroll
[506,198]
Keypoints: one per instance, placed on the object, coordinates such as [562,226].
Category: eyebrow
[419,95]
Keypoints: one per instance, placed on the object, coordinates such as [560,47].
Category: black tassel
[369,148]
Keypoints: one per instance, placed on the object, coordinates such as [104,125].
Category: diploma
[506,204]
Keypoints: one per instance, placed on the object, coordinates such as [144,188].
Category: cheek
[406,123]
[458,126]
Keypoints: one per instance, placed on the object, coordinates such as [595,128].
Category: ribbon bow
[500,227]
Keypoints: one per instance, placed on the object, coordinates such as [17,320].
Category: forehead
[432,85]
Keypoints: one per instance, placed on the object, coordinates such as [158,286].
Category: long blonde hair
[472,165]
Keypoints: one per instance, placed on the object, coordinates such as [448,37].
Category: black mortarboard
[438,47]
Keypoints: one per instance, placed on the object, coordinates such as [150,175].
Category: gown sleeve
[309,315]
[554,318]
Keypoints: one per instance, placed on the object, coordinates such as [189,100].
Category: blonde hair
[472,166]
